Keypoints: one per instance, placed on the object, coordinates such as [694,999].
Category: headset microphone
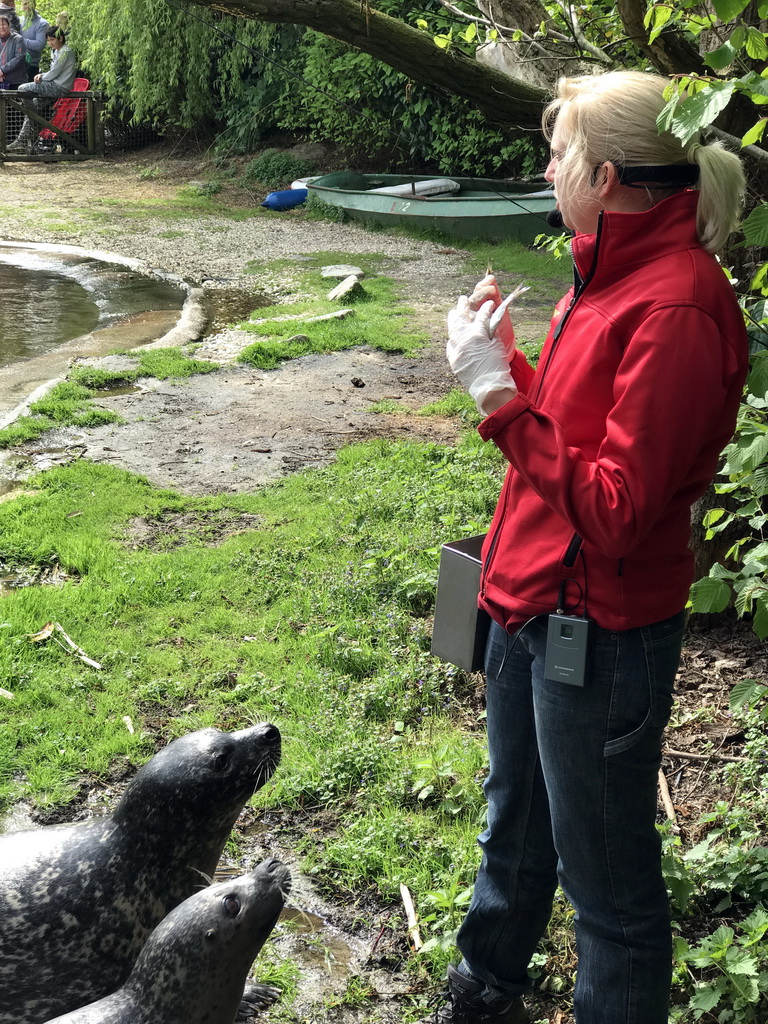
[554,218]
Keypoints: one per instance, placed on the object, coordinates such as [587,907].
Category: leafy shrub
[746,480]
[277,170]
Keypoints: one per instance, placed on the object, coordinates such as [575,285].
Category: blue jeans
[572,795]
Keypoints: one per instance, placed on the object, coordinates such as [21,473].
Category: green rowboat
[474,208]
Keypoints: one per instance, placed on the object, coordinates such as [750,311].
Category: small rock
[298,337]
[357,382]
[349,288]
[342,270]
[339,314]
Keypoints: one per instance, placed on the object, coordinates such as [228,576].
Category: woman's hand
[479,361]
[487,290]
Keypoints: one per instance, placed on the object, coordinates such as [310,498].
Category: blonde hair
[612,117]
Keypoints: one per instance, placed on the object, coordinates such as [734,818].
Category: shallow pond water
[48,299]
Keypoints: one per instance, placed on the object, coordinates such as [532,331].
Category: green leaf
[757,381]
[470,32]
[757,452]
[760,618]
[738,37]
[756,925]
[755,133]
[753,84]
[727,10]
[713,516]
[757,48]
[697,111]
[738,961]
[709,595]
[656,18]
[747,691]
[755,227]
[721,57]
[443,41]
[719,572]
[760,482]
[705,998]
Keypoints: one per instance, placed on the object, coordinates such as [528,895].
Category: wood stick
[410,914]
[665,797]
[702,757]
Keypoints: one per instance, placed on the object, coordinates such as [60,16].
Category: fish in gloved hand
[481,341]
[501,322]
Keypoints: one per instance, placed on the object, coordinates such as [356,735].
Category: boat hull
[483,209]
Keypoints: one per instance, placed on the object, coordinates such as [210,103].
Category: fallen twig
[410,915]
[69,645]
[714,756]
[665,797]
[378,937]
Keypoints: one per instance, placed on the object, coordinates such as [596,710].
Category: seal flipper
[256,997]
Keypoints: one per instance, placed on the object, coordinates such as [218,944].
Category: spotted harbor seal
[194,965]
[78,902]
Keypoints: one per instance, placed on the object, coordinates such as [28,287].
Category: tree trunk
[502,99]
[670,53]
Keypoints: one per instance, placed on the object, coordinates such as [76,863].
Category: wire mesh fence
[73,127]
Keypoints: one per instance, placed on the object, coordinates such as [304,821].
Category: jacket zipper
[579,285]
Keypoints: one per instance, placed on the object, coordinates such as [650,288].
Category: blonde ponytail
[721,194]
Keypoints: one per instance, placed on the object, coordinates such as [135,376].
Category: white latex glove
[478,360]
[488,289]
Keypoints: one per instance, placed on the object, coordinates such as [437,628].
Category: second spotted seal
[195,963]
[78,902]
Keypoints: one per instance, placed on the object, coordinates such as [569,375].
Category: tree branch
[582,40]
[502,99]
[670,53]
[732,140]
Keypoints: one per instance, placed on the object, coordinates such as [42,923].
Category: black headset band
[672,175]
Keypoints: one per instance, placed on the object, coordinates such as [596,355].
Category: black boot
[469,1001]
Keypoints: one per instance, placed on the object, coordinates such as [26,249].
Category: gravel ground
[45,202]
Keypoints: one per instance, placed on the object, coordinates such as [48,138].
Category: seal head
[77,903]
[194,965]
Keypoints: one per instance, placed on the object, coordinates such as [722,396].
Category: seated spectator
[52,84]
[13,66]
[33,29]
[9,10]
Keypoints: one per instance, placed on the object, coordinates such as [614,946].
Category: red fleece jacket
[619,429]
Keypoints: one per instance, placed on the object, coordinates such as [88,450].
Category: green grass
[314,612]
[388,405]
[379,319]
[69,404]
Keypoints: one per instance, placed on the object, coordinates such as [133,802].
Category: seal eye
[220,762]
[210,934]
[231,905]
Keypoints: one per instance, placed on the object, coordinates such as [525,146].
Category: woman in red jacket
[586,567]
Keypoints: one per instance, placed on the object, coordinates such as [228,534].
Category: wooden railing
[86,141]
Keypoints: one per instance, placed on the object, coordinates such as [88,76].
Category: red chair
[68,114]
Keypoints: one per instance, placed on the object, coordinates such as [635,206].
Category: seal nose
[270,733]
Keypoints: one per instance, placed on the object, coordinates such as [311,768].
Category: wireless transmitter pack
[567,648]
